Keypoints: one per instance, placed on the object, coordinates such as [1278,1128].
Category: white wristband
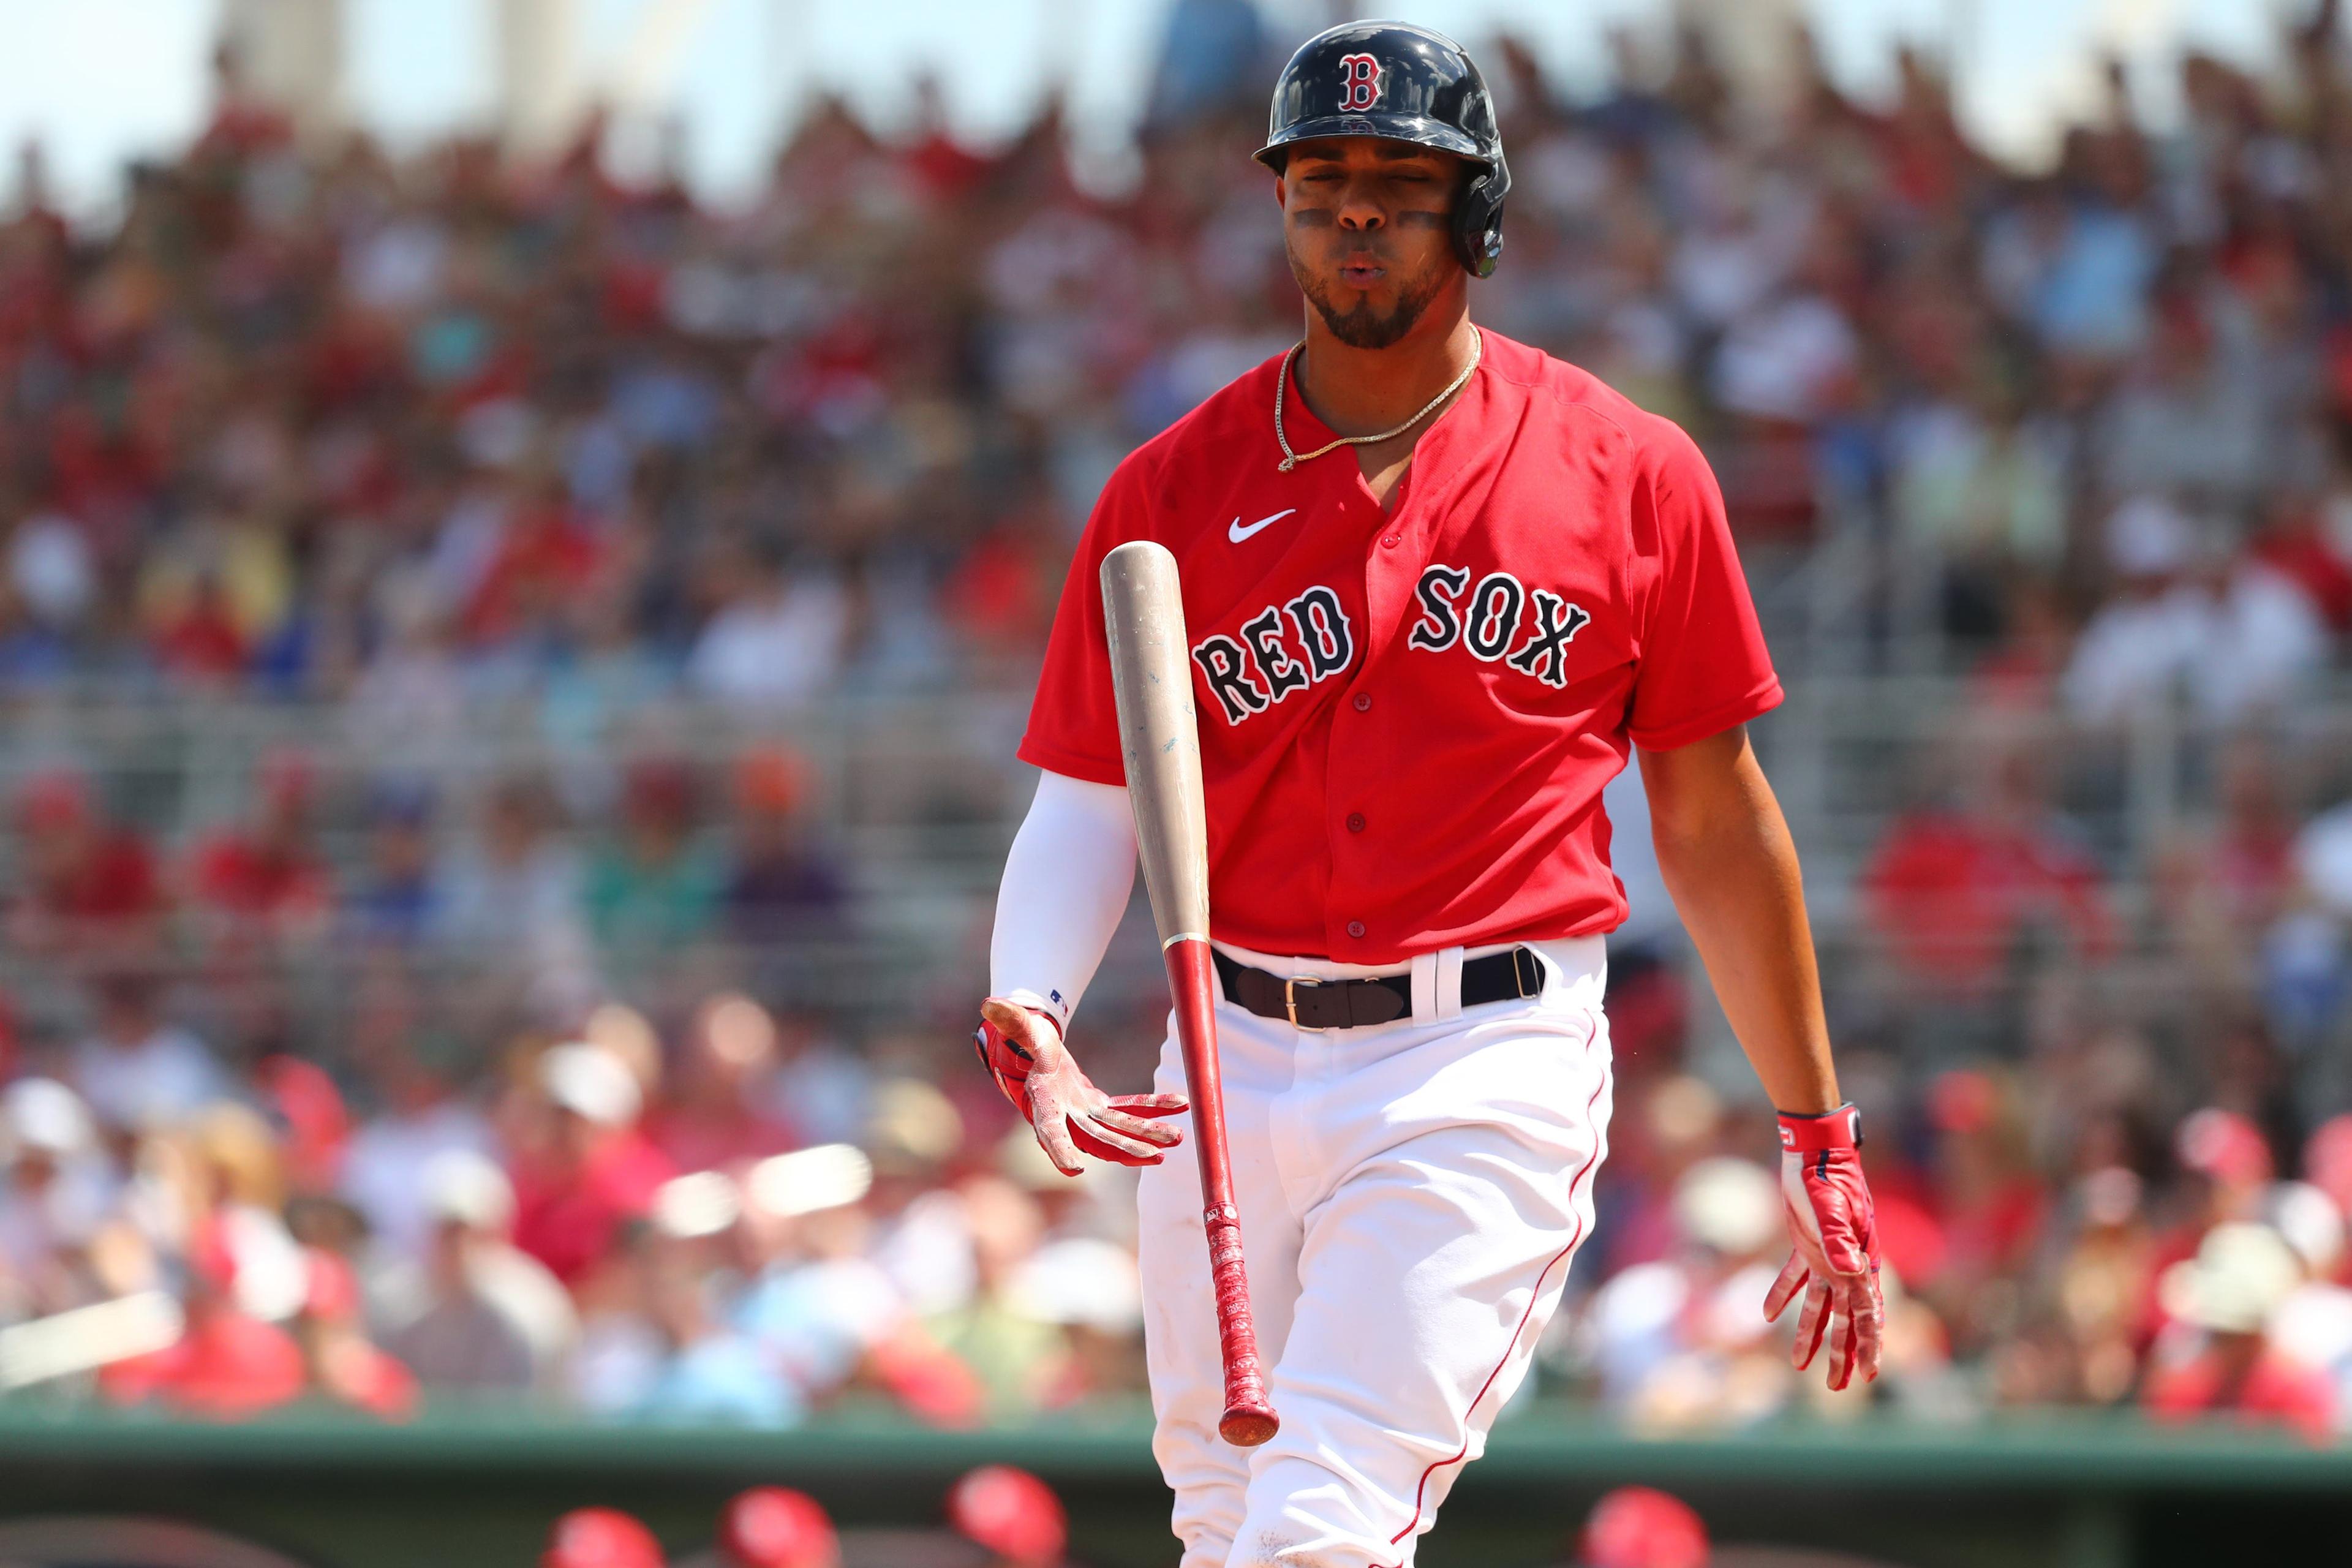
[1044,1007]
[1066,882]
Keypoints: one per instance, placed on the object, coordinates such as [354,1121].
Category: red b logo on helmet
[1361,79]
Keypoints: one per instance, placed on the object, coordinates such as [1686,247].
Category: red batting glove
[1022,1049]
[1834,1227]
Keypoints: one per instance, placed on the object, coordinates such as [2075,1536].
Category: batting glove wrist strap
[1804,1135]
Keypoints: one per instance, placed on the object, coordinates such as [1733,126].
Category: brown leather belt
[1306,1002]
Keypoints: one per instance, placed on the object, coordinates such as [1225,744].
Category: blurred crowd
[399,438]
[744,1229]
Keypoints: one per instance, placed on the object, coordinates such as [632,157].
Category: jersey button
[1363,702]
[1355,928]
[1355,822]
[1391,540]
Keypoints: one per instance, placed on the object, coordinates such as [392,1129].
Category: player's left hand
[1833,1233]
[1023,1052]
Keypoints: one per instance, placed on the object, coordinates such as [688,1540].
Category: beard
[1364,326]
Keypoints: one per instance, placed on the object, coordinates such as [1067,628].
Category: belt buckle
[1290,993]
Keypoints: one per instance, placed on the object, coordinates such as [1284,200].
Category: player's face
[1368,226]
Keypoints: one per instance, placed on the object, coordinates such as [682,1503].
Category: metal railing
[917,797]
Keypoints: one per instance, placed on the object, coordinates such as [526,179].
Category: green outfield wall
[476,1491]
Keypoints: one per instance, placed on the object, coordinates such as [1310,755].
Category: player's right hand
[1022,1049]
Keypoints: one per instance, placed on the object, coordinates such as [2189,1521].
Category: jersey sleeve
[1704,666]
[1074,718]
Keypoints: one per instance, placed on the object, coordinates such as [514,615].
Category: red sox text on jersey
[1261,666]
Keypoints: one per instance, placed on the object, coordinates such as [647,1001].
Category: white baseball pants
[1411,1194]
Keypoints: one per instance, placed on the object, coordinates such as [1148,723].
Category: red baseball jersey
[1407,716]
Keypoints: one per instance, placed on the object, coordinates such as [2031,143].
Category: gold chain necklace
[1291,459]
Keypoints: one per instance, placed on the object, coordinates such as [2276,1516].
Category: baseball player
[1439,588]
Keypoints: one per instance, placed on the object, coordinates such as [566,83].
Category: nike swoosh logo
[1237,532]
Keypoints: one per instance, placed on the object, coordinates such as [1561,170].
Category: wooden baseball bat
[1151,672]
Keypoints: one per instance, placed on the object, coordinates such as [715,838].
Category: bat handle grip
[1249,1417]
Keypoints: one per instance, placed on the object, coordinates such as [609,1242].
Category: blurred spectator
[136,1070]
[392,899]
[999,1332]
[265,881]
[89,888]
[656,886]
[590,1168]
[2313,1327]
[512,896]
[712,1371]
[2104,1286]
[484,1317]
[721,1115]
[1990,1206]
[344,1364]
[1681,1341]
[2236,638]
[58,1193]
[782,886]
[926,1242]
[2224,887]
[227,1364]
[417,1117]
[819,1305]
[2223,1360]
[1956,889]
[2228,1166]
[778,638]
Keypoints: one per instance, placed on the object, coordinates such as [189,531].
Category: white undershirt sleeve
[1066,882]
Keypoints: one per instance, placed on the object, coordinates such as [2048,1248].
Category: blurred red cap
[601,1538]
[1640,1526]
[2223,1145]
[771,779]
[1012,1513]
[775,1527]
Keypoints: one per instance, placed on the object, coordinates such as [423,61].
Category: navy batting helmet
[1402,83]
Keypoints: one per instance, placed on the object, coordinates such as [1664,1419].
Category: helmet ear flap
[1478,220]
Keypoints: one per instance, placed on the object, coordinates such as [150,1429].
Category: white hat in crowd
[468,1188]
[2308,1221]
[592,1083]
[1728,1205]
[2239,1277]
[40,1114]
